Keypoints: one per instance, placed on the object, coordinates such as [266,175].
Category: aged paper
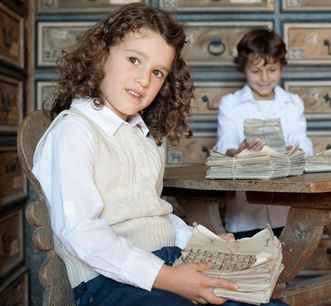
[253,263]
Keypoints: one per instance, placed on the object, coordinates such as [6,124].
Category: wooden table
[309,198]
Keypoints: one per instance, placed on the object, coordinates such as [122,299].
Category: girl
[121,91]
[261,57]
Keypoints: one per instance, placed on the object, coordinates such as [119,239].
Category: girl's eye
[133,60]
[158,73]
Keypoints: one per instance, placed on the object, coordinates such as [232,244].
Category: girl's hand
[188,281]
[254,144]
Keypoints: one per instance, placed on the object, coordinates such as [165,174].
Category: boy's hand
[188,281]
[254,144]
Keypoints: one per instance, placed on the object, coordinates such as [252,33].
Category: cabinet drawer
[321,141]
[55,6]
[308,43]
[16,290]
[193,150]
[45,94]
[10,103]
[214,43]
[11,242]
[207,97]
[12,180]
[220,6]
[316,96]
[53,37]
[306,5]
[11,37]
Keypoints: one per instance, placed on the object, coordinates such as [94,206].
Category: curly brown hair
[81,69]
[261,44]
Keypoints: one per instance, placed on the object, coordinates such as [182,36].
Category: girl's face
[263,77]
[135,70]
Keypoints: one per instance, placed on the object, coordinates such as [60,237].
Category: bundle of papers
[253,263]
[264,164]
[270,131]
[319,163]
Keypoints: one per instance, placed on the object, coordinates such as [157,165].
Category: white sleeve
[64,167]
[182,230]
[297,132]
[227,125]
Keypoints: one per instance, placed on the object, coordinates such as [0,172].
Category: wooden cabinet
[14,280]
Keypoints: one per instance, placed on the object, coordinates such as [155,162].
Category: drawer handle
[7,102]
[327,99]
[205,99]
[205,150]
[216,47]
[11,165]
[8,37]
[327,44]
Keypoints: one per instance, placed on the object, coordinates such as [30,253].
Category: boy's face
[263,77]
[135,71]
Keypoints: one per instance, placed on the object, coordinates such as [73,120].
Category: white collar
[281,96]
[105,118]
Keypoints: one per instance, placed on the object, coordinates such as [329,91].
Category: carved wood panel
[53,37]
[56,6]
[308,43]
[218,5]
[207,97]
[214,43]
[11,36]
[12,181]
[11,112]
[16,290]
[306,5]
[11,241]
[193,150]
[321,141]
[316,95]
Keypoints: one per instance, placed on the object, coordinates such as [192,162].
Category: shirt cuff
[141,268]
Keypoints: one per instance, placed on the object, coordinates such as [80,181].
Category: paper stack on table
[253,263]
[318,163]
[248,164]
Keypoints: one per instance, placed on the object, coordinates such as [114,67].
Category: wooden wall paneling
[44,94]
[308,43]
[11,242]
[58,6]
[190,151]
[13,183]
[53,37]
[218,6]
[306,5]
[11,36]
[321,140]
[214,43]
[15,291]
[11,103]
[207,96]
[316,95]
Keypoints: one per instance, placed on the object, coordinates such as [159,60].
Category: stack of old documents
[319,163]
[270,131]
[253,263]
[248,164]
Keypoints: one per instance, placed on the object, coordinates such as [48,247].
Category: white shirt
[68,174]
[233,110]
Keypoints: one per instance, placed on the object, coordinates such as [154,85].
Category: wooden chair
[53,275]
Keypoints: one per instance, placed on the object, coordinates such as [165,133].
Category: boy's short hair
[261,44]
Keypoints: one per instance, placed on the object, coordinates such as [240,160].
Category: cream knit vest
[127,175]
